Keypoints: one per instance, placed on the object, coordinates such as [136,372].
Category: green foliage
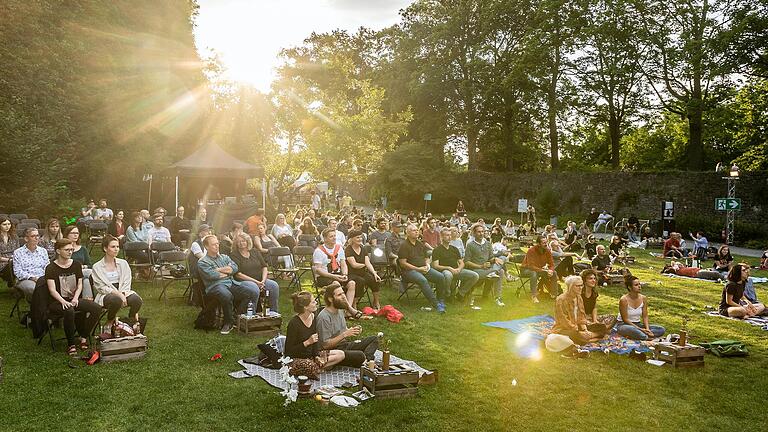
[547,201]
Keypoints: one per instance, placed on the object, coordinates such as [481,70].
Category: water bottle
[266,303]
[249,311]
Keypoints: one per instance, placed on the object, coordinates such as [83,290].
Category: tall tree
[610,66]
[686,63]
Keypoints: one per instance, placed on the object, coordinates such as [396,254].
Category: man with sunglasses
[29,262]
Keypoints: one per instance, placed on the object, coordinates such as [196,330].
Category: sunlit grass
[176,387]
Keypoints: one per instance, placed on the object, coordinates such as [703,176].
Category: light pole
[730,215]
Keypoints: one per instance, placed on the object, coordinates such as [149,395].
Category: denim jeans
[228,295]
[468,279]
[526,272]
[274,294]
[632,332]
[423,281]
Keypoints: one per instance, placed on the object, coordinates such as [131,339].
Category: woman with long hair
[51,234]
[283,232]
[633,313]
[570,316]
[723,259]
[9,242]
[589,296]
[118,226]
[64,279]
[112,283]
[733,302]
[252,267]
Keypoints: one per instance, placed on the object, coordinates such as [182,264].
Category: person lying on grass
[570,317]
[332,330]
[301,339]
[589,296]
[633,313]
[694,272]
[733,302]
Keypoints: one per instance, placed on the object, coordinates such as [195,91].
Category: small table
[259,325]
[680,356]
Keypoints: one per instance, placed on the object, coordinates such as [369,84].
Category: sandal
[84,345]
[72,350]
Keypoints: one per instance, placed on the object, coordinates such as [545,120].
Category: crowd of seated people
[446,259]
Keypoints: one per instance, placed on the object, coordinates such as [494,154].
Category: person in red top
[253,222]
[538,263]
[693,272]
[430,234]
[672,246]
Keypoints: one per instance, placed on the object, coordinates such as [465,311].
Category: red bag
[392,314]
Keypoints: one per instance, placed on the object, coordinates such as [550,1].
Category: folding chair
[156,248]
[407,286]
[139,249]
[307,240]
[31,221]
[18,216]
[19,296]
[277,256]
[380,262]
[170,263]
[303,263]
[523,280]
[96,232]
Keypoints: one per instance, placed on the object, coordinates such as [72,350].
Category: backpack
[206,319]
[726,348]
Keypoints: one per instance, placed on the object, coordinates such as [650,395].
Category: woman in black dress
[301,339]
[361,270]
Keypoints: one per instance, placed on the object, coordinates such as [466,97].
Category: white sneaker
[226,329]
[499,303]
[535,299]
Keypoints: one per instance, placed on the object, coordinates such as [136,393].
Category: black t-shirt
[64,278]
[448,257]
[615,248]
[734,289]
[589,302]
[415,255]
[601,262]
[590,248]
[251,266]
[592,218]
[296,334]
[359,258]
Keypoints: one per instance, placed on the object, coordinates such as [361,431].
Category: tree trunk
[695,151]
[614,133]
[552,116]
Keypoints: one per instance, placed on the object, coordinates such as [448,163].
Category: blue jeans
[632,332]
[423,281]
[228,295]
[274,294]
[468,279]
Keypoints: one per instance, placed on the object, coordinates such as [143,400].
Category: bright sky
[249,34]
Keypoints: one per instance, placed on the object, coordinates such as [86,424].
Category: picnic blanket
[760,321]
[540,326]
[691,278]
[336,377]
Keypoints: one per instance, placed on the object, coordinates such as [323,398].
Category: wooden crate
[615,278]
[124,348]
[258,325]
[399,381]
[680,356]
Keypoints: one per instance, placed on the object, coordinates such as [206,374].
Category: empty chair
[96,232]
[173,266]
[18,216]
[31,221]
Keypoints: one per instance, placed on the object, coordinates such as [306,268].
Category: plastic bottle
[266,303]
[249,311]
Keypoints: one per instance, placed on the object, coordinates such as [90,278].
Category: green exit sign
[725,204]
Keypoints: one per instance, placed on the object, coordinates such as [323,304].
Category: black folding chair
[380,263]
[134,254]
[96,232]
[277,257]
[156,248]
[303,263]
[173,266]
[523,280]
[31,221]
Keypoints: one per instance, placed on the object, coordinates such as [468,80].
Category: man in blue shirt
[218,273]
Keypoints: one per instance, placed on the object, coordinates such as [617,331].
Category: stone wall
[621,193]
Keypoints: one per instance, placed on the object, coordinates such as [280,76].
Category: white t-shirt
[318,257]
[159,234]
[197,250]
[316,202]
[103,213]
[341,238]
[278,230]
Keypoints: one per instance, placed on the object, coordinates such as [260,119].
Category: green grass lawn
[176,387]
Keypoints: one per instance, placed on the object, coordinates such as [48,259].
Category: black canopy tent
[211,162]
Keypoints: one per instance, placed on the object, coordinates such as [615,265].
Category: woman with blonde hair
[570,317]
[283,232]
[51,234]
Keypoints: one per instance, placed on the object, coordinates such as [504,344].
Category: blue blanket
[540,326]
